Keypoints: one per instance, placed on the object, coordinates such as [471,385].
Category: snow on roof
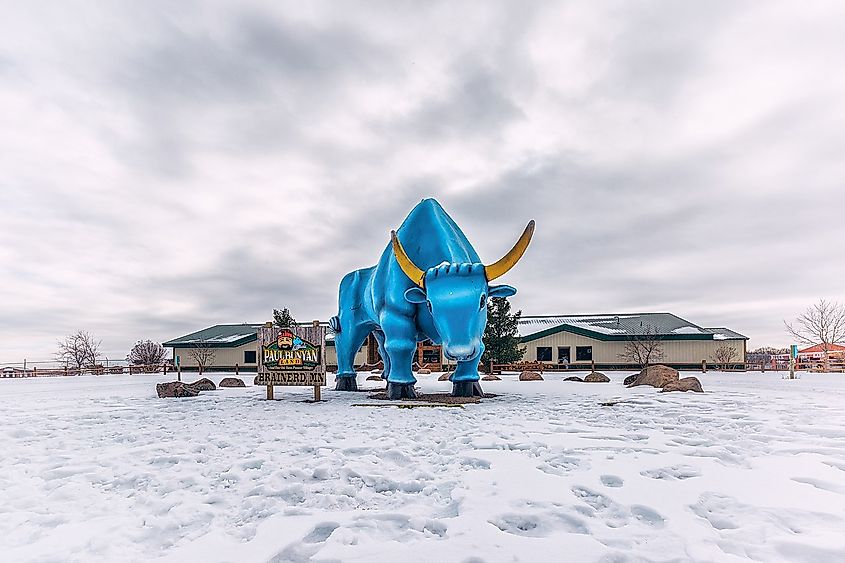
[688,330]
[722,333]
[629,324]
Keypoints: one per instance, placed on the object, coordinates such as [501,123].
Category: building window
[583,353]
[544,353]
[249,356]
[431,355]
[563,355]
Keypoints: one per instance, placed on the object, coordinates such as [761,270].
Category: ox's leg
[400,343]
[465,379]
[385,359]
[347,342]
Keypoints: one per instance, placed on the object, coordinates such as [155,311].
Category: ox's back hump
[430,237]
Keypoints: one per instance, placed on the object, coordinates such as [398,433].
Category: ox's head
[457,294]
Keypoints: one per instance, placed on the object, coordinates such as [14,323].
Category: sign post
[793,356]
[292,356]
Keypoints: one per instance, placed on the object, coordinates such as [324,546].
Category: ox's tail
[334,323]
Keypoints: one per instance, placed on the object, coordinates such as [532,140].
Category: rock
[574,378]
[373,378]
[375,370]
[204,384]
[630,379]
[597,377]
[530,376]
[444,376]
[175,389]
[424,371]
[656,376]
[232,382]
[491,377]
[685,384]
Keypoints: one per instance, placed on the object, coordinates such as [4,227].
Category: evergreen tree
[501,340]
[282,318]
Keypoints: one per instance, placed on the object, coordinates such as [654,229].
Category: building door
[372,350]
[563,356]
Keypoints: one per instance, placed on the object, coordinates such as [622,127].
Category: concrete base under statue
[346,384]
[400,391]
[466,389]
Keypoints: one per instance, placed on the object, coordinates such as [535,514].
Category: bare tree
[147,353]
[725,357]
[203,354]
[79,350]
[644,349]
[822,323]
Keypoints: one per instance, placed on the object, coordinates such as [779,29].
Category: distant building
[574,341]
[812,358]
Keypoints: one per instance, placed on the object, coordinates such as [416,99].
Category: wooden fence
[93,370]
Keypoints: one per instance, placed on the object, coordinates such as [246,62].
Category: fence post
[34,369]
[65,371]
[592,365]
[236,369]
[703,366]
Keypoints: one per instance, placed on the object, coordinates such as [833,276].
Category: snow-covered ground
[99,469]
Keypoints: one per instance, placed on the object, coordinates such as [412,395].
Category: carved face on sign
[285,339]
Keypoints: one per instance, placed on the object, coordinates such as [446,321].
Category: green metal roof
[621,326]
[226,336]
[218,336]
[606,327]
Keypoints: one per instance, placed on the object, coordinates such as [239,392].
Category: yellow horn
[510,259]
[417,276]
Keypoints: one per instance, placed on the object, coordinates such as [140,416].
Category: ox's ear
[501,291]
[415,295]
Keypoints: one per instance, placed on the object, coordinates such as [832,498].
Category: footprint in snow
[611,481]
[307,547]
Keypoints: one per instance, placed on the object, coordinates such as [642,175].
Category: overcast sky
[165,166]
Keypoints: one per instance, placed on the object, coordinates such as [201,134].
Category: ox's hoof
[346,384]
[466,389]
[401,391]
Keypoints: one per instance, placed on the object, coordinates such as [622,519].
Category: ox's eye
[483,301]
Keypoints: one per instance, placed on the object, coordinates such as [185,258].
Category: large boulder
[204,384]
[444,376]
[597,377]
[530,376]
[656,376]
[573,378]
[491,377]
[232,382]
[630,379]
[685,384]
[175,389]
[424,371]
[373,378]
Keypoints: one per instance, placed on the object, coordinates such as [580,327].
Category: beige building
[577,341]
[559,341]
[223,347]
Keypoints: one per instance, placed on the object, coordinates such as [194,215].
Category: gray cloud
[168,167]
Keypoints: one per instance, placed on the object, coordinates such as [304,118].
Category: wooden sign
[293,356]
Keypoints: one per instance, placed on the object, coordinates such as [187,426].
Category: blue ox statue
[428,284]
